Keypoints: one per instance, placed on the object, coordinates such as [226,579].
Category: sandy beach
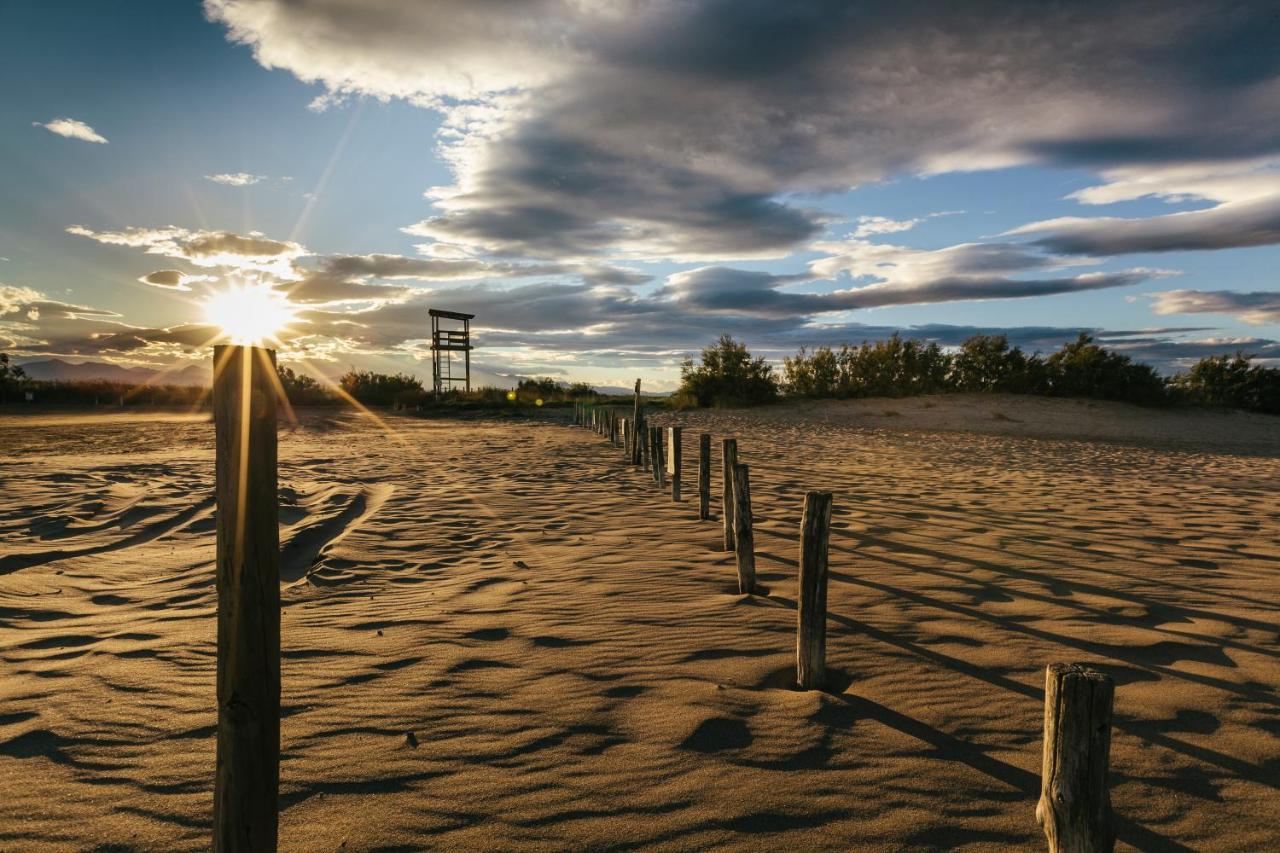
[498,635]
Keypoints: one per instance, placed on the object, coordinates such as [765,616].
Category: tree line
[728,375]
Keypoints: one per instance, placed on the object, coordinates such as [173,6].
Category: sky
[609,186]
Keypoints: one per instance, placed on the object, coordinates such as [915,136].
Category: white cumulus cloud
[72,129]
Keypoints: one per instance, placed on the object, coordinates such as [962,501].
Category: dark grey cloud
[684,129]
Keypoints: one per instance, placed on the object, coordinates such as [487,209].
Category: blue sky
[609,192]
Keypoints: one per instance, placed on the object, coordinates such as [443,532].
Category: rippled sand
[567,649]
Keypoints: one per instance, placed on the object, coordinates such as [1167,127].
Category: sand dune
[498,636]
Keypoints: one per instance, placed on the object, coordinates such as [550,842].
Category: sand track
[497,636]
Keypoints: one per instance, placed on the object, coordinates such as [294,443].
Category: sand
[498,636]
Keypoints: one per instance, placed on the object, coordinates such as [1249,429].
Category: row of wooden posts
[1075,805]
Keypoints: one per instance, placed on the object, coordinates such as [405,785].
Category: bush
[1084,369]
[988,363]
[727,376]
[303,390]
[379,389]
[891,368]
[12,379]
[1231,381]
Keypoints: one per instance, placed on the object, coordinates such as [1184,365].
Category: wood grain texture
[1075,800]
[811,599]
[247,772]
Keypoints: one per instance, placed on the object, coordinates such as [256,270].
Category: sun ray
[342,393]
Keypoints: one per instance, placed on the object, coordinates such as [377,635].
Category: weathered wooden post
[811,601]
[655,449]
[1075,802]
[704,476]
[638,419]
[673,460]
[622,435]
[728,459]
[742,530]
[247,775]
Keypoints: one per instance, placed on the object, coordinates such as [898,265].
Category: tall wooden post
[673,460]
[704,476]
[247,776]
[742,530]
[638,419]
[1075,803]
[811,601]
[655,450]
[728,459]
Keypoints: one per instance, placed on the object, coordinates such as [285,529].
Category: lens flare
[249,313]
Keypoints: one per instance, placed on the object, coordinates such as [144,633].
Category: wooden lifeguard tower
[445,342]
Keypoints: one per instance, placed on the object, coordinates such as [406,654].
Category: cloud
[174,279]
[871,225]
[236,179]
[1230,225]
[691,130]
[1257,308]
[222,249]
[72,129]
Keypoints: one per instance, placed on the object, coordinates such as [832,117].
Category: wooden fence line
[1074,807]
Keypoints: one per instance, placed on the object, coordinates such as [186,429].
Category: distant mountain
[618,389]
[58,370]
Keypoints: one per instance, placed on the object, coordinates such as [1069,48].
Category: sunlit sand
[498,635]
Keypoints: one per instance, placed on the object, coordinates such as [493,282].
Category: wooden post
[673,460]
[638,420]
[811,601]
[659,465]
[704,476]
[742,530]
[622,435]
[728,459]
[247,775]
[1075,803]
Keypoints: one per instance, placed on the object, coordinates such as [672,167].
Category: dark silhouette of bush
[12,379]
[727,375]
[988,363]
[1084,369]
[890,368]
[303,390]
[379,389]
[1232,381]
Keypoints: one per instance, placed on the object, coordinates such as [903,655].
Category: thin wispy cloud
[72,129]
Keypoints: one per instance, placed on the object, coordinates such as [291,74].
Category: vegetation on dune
[12,378]
[729,375]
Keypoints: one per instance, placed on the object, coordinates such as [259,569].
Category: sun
[249,313]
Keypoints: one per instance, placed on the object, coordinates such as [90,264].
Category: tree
[988,363]
[728,376]
[1232,381]
[379,388]
[1084,369]
[12,378]
[301,389]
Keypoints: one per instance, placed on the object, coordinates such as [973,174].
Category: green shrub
[1231,381]
[728,376]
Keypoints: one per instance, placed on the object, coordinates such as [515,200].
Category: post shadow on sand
[1140,671]
[946,747]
